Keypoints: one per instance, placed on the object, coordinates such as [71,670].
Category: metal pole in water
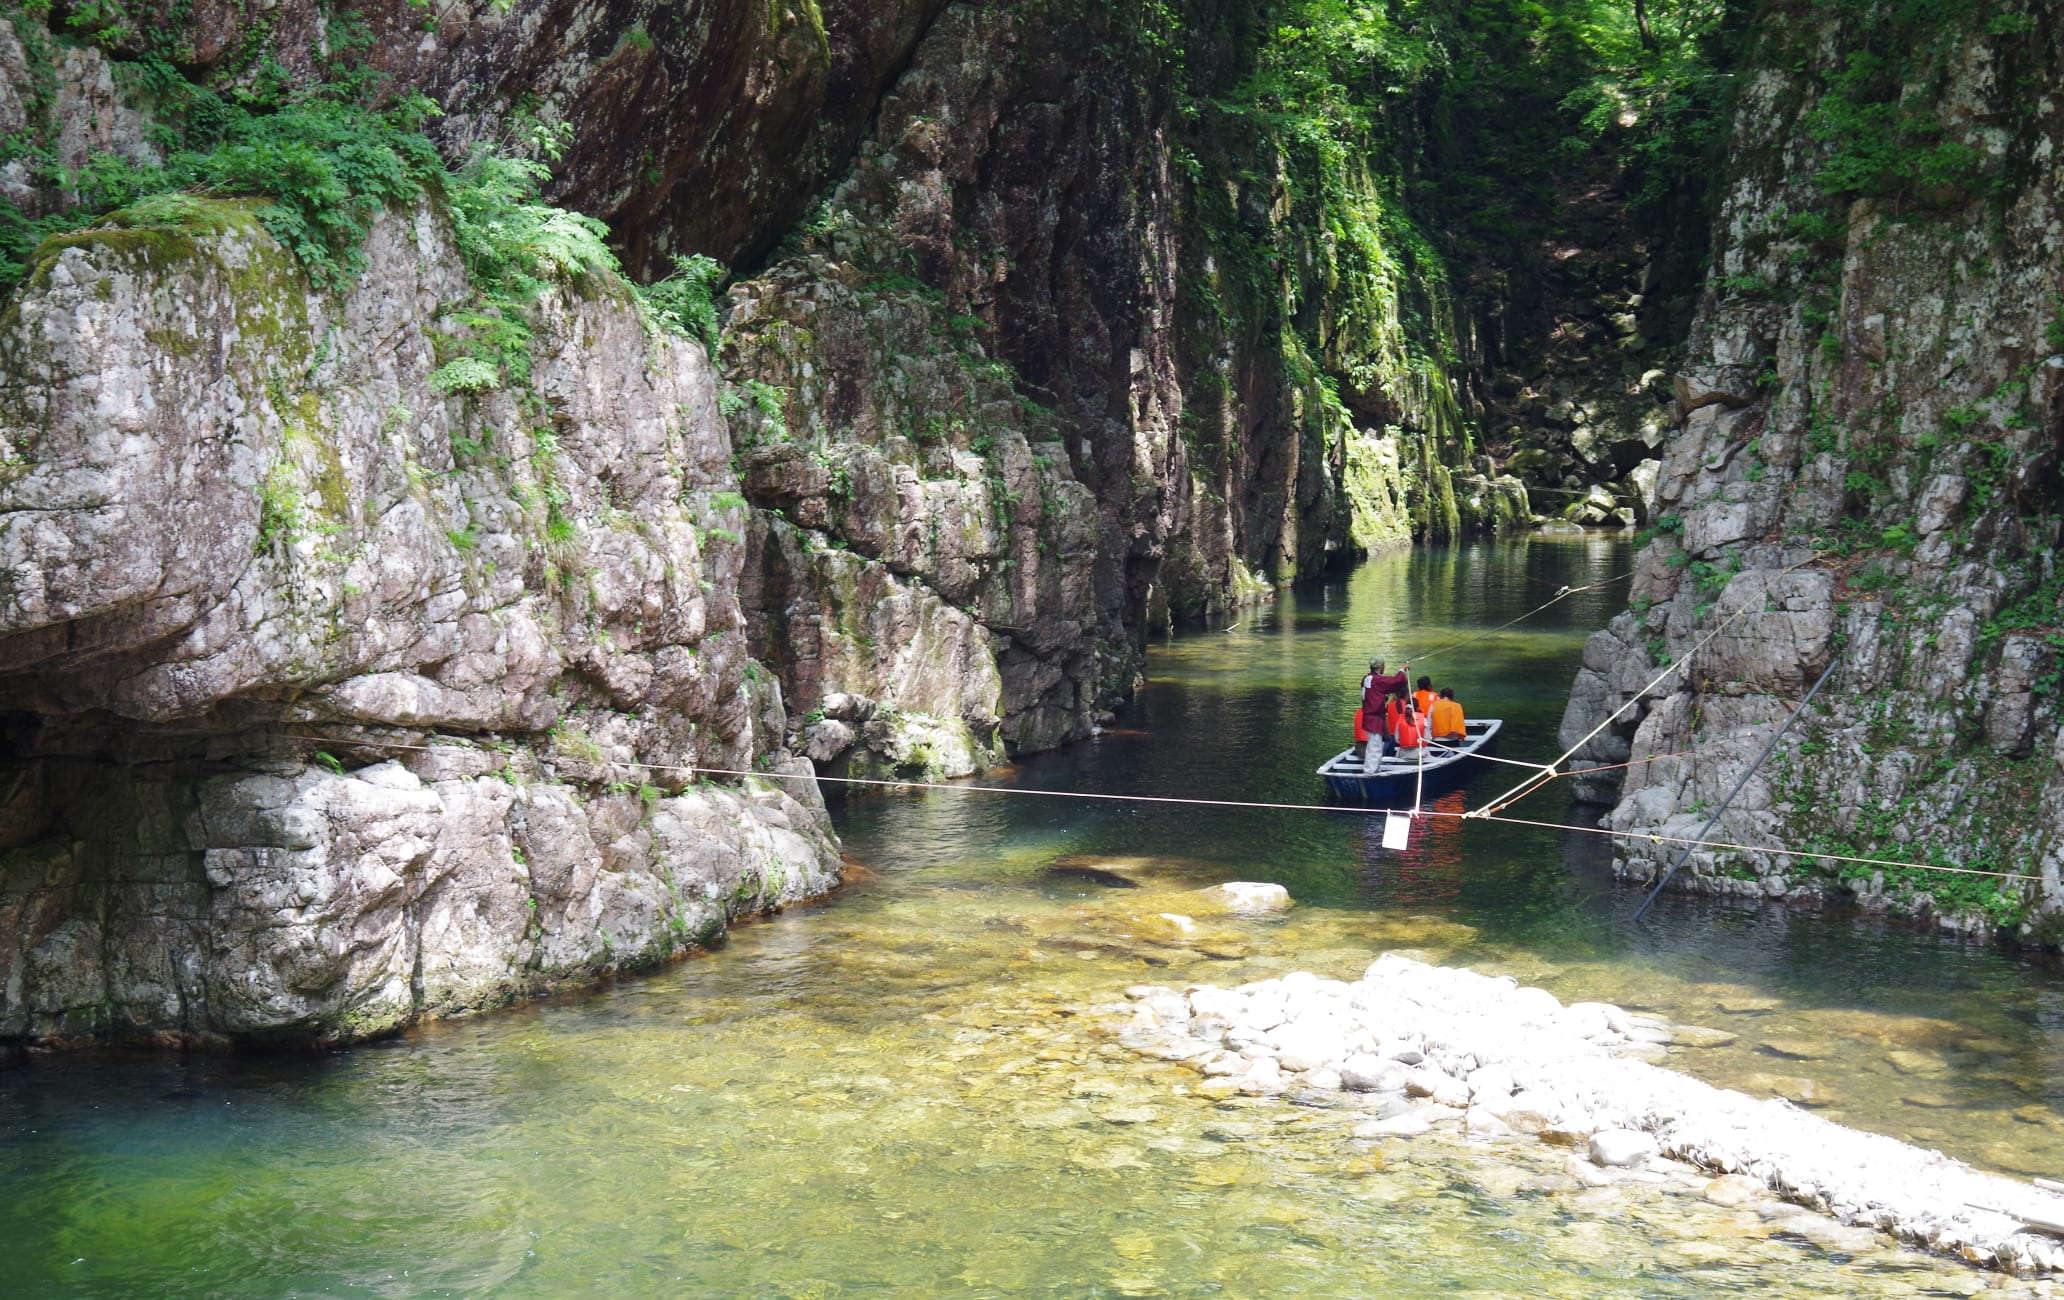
[1768,750]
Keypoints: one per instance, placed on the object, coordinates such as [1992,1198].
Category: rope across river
[696,770]
[1491,812]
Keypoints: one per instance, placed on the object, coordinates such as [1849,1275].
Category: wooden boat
[1392,784]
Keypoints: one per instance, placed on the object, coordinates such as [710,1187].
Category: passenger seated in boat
[1445,719]
[1410,729]
[1423,696]
[1361,734]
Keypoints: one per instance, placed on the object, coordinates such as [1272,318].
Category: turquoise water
[893,1093]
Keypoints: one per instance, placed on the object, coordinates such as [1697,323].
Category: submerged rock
[1248,897]
[1623,1148]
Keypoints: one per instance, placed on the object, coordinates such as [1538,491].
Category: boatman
[1445,719]
[1377,686]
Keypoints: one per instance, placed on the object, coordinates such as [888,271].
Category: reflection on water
[891,1094]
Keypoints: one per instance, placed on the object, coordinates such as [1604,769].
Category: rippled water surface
[892,1093]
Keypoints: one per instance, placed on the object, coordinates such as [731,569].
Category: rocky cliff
[379,559]
[336,699]
[1069,354]
[1863,472]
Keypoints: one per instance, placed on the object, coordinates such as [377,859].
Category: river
[891,1093]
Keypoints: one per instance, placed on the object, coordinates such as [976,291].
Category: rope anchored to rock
[693,771]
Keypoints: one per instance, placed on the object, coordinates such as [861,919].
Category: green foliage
[515,246]
[685,302]
[325,158]
[771,402]
[1880,113]
[466,375]
[281,515]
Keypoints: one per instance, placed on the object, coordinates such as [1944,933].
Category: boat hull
[1394,783]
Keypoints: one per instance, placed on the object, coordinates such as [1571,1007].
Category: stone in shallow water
[1621,1148]
[1129,1115]
[1526,1112]
[1910,1062]
[1748,1006]
[1806,1092]
[1930,1101]
[1798,1049]
[1217,1089]
[1734,1189]
[1366,1073]
[1409,1124]
[1252,898]
[1219,1173]
[1263,1079]
[1700,1036]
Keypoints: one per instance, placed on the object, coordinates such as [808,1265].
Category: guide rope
[1561,594]
[1761,758]
[693,770]
[1548,771]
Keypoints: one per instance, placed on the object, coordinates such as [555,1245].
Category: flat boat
[1393,782]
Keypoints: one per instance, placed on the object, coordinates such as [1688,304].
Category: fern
[685,302]
[466,375]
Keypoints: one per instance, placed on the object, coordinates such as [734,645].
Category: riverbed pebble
[1416,1046]
[1621,1148]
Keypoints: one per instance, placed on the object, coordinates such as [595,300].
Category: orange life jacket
[1393,713]
[1447,718]
[1424,699]
[1407,732]
[1361,733]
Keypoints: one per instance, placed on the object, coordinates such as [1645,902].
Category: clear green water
[890,1094]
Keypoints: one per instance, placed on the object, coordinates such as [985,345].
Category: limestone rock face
[336,700]
[1863,470]
[1014,373]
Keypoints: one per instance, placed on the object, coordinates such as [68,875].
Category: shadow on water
[892,1093]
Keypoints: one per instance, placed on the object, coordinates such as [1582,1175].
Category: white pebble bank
[1512,1061]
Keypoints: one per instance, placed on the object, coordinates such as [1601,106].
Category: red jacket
[1375,689]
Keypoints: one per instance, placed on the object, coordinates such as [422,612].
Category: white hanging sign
[1396,828]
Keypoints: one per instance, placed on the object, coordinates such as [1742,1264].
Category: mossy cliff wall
[1072,353]
[1864,471]
[327,693]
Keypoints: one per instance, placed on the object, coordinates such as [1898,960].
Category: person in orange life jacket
[1361,734]
[1409,732]
[1423,697]
[1445,720]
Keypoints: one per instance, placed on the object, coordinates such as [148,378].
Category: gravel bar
[1508,1062]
